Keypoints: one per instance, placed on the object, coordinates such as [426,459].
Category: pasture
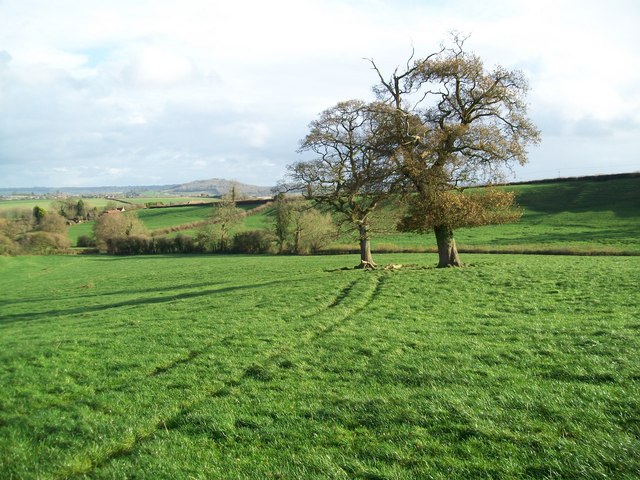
[237,367]
[585,216]
[28,204]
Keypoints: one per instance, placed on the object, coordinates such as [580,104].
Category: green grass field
[579,216]
[233,367]
[157,218]
[28,204]
[585,216]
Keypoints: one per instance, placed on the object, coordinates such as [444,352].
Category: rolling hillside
[219,186]
[589,216]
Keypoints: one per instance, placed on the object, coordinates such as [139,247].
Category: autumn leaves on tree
[440,125]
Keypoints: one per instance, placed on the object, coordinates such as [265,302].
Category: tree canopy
[352,171]
[440,125]
[456,124]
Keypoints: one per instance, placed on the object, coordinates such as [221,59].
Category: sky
[142,92]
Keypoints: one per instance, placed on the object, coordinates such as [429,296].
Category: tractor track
[343,299]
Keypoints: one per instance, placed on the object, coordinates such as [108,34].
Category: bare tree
[117,225]
[455,124]
[225,215]
[283,220]
[351,172]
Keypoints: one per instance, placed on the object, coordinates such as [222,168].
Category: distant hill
[104,190]
[214,186]
[219,186]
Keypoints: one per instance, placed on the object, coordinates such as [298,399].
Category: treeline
[37,231]
[253,241]
[25,235]
[297,228]
[43,231]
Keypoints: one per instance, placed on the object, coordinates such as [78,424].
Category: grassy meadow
[585,216]
[28,204]
[239,367]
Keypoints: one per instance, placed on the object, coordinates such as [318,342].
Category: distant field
[167,200]
[579,216]
[233,367]
[156,218]
[29,204]
[582,216]
[100,202]
[76,231]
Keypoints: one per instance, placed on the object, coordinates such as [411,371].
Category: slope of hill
[219,186]
[589,216]
[213,186]
[584,216]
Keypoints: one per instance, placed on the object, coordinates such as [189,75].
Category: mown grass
[158,218]
[289,367]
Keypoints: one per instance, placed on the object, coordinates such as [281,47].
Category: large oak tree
[352,171]
[455,124]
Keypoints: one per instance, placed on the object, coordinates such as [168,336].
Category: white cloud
[248,133]
[229,87]
[158,67]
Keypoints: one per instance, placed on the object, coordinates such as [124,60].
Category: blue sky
[157,92]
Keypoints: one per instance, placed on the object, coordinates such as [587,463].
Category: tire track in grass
[343,294]
[252,371]
[367,298]
[194,354]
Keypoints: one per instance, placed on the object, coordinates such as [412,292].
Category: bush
[44,242]
[130,245]
[8,246]
[185,244]
[53,223]
[253,241]
[143,245]
[85,241]
[113,227]
[316,231]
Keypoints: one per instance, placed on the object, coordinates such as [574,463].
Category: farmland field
[157,218]
[46,204]
[579,216]
[234,367]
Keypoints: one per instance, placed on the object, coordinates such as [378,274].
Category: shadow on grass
[4,319]
[621,196]
[98,292]
[602,237]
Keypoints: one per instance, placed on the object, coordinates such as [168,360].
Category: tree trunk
[366,259]
[296,243]
[223,239]
[447,250]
